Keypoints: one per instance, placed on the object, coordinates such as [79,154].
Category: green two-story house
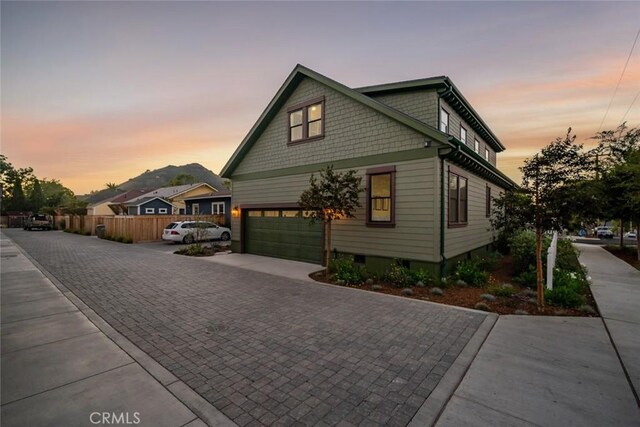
[427,159]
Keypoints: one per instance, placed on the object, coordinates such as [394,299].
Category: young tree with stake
[333,197]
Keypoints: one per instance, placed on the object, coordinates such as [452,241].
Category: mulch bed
[626,256]
[469,296]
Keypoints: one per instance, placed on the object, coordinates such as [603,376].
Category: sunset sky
[99,92]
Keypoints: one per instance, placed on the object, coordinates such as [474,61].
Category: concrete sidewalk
[544,371]
[616,289]
[59,368]
[560,371]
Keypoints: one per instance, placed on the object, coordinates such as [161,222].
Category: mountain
[158,178]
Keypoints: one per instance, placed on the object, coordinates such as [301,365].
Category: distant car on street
[191,231]
[40,221]
[632,235]
[604,232]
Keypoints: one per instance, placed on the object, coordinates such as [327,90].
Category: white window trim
[462,129]
[162,210]
[486,154]
[443,114]
[220,210]
[149,210]
[476,146]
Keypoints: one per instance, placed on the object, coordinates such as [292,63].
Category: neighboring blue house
[149,206]
[217,203]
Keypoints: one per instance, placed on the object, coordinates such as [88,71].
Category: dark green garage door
[282,234]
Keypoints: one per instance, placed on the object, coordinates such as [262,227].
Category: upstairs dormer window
[444,121]
[463,135]
[306,121]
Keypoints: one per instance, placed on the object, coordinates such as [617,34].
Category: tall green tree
[36,196]
[333,197]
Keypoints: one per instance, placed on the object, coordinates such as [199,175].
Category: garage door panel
[283,237]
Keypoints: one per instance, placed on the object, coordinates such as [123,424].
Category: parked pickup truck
[41,221]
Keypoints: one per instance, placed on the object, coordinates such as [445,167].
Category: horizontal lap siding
[414,236]
[455,121]
[478,231]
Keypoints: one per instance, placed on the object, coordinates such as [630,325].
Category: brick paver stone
[263,349]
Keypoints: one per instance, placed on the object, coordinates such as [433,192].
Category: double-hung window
[486,154]
[444,121]
[463,135]
[458,199]
[381,196]
[476,146]
[306,121]
[217,208]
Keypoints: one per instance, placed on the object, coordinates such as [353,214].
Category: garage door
[282,234]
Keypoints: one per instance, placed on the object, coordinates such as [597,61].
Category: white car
[604,232]
[191,231]
[631,235]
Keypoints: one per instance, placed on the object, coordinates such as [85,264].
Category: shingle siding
[414,236]
[351,130]
[420,104]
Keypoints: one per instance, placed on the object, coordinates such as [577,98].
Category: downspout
[443,258]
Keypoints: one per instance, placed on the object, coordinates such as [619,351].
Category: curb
[206,412]
[431,409]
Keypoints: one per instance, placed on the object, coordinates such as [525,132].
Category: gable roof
[287,88]
[142,200]
[447,90]
[214,195]
[171,192]
[129,195]
[300,72]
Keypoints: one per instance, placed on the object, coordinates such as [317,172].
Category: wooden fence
[139,228]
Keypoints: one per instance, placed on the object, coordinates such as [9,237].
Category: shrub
[407,292]
[346,270]
[489,261]
[87,233]
[63,224]
[567,257]
[376,287]
[120,239]
[527,278]
[502,291]
[523,250]
[421,276]
[482,306]
[564,297]
[471,273]
[521,312]
[488,297]
[128,240]
[398,275]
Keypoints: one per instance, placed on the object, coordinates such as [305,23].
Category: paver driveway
[264,349]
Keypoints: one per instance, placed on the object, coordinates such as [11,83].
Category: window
[476,146]
[488,203]
[195,209]
[306,121]
[162,210]
[381,196]
[457,200]
[149,210]
[463,134]
[271,213]
[444,121]
[217,208]
[290,214]
[486,154]
[254,213]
